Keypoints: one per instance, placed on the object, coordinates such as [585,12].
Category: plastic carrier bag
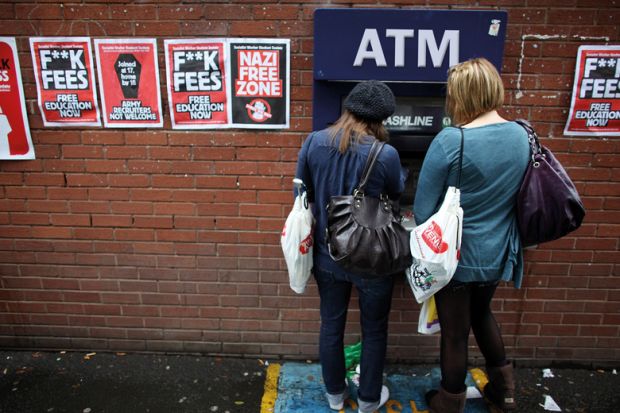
[435,248]
[297,240]
[428,323]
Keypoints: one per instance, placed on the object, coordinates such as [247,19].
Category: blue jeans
[375,300]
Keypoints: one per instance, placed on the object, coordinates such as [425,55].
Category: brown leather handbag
[363,234]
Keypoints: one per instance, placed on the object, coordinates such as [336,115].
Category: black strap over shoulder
[373,154]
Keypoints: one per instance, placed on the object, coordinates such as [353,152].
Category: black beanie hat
[371,100]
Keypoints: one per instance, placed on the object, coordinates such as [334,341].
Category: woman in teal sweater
[495,157]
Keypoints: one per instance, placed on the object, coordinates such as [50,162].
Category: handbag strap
[373,154]
[532,138]
[458,179]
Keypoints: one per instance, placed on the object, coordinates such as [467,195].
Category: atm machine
[411,51]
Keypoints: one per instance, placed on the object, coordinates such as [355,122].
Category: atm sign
[403,45]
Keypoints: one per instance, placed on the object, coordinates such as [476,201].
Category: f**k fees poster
[65,81]
[196,80]
[15,141]
[260,96]
[595,104]
[129,82]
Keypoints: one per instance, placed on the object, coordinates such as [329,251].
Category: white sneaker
[367,407]
[336,401]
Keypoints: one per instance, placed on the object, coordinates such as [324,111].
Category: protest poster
[196,82]
[260,83]
[128,76]
[595,104]
[63,69]
[15,140]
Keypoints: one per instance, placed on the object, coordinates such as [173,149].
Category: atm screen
[418,116]
[412,127]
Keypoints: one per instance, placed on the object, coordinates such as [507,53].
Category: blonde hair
[352,129]
[474,88]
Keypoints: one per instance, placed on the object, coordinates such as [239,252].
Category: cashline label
[410,117]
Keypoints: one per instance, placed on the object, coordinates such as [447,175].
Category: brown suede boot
[443,402]
[501,387]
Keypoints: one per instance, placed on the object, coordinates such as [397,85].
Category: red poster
[15,141]
[64,73]
[129,82]
[260,79]
[196,78]
[595,105]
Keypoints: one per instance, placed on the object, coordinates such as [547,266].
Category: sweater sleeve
[431,182]
[395,180]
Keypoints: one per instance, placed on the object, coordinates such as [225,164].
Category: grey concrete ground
[54,382]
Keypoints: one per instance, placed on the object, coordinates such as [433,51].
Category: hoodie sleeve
[303,169]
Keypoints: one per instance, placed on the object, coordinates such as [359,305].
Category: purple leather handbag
[548,205]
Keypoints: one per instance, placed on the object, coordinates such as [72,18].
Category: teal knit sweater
[494,162]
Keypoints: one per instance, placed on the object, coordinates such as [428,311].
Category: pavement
[83,382]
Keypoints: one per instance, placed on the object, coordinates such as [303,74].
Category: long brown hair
[352,129]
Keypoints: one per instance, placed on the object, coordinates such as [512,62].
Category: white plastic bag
[435,247]
[428,323]
[297,241]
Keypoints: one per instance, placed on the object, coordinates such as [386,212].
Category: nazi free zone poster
[65,80]
[260,73]
[129,82]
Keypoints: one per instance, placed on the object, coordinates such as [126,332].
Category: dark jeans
[375,300]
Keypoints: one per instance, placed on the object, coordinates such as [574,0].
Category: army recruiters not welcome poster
[129,83]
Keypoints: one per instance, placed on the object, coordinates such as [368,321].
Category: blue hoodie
[329,172]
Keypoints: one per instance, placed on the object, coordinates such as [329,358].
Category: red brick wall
[161,240]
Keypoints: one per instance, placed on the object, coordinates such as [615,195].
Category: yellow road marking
[270,394]
[480,378]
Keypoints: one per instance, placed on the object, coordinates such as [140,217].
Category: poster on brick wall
[595,104]
[15,140]
[64,73]
[260,86]
[128,76]
[197,84]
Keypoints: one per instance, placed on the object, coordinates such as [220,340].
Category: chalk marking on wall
[525,37]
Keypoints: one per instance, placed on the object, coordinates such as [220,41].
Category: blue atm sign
[403,45]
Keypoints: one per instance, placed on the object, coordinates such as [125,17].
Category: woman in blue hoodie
[495,157]
[330,163]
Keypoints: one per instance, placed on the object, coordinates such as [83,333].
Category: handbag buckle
[385,201]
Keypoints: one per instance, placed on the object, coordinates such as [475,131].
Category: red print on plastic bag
[306,243]
[432,238]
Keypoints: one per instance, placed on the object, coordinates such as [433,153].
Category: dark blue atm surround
[340,34]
